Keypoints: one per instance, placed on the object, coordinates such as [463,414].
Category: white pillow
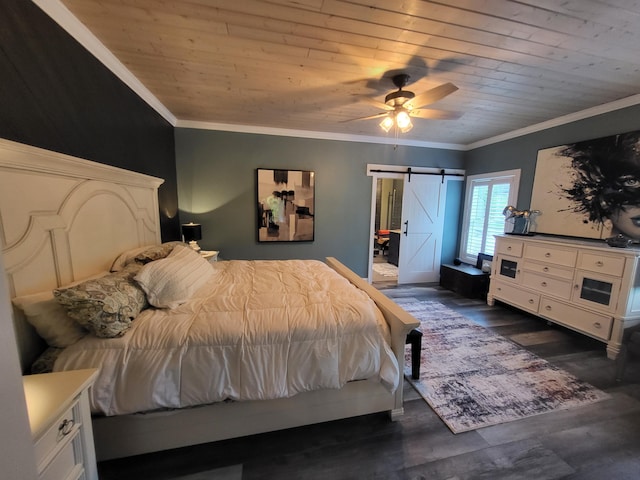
[50,319]
[171,281]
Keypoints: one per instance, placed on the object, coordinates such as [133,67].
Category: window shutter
[486,199]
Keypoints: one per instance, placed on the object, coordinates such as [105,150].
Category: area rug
[473,378]
[385,269]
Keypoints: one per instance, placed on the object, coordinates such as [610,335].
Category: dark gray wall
[216,187]
[56,95]
[522,152]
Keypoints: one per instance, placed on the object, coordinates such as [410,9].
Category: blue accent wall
[453,218]
[216,188]
[522,152]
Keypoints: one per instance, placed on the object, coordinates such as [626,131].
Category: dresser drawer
[515,296]
[548,269]
[509,247]
[594,262]
[551,254]
[594,324]
[544,284]
[57,434]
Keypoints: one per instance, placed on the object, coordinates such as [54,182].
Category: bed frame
[57,218]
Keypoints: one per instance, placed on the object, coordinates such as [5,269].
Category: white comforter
[256,330]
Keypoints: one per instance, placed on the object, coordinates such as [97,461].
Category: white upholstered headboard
[63,219]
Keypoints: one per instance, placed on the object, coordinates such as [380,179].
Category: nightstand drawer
[60,421]
[53,439]
[65,464]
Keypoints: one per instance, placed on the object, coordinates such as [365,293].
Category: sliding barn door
[422,229]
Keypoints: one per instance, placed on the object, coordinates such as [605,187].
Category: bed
[57,218]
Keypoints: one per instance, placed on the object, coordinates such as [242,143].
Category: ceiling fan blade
[431,96]
[377,104]
[432,114]
[370,117]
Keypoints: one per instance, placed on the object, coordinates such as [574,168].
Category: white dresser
[60,419]
[581,284]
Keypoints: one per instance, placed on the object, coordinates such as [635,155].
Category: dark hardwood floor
[599,441]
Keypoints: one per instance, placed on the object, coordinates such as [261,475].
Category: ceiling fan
[401,105]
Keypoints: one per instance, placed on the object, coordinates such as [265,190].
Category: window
[486,196]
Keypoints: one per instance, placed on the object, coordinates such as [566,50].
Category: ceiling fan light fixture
[406,128]
[387,123]
[403,121]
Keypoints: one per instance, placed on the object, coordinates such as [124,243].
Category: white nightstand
[211,255]
[60,420]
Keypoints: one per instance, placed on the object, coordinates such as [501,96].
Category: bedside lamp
[192,232]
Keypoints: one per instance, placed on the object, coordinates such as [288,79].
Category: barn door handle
[406,226]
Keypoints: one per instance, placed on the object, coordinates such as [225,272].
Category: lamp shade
[192,232]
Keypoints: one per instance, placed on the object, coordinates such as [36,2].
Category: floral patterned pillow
[106,305]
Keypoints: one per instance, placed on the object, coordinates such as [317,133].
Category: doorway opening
[387,224]
[420,197]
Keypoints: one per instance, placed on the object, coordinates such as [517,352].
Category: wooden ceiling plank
[558,21]
[478,39]
[310,60]
[565,63]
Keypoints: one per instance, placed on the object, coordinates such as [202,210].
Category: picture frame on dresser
[285,205]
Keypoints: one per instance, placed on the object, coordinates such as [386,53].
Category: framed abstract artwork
[285,205]
[589,189]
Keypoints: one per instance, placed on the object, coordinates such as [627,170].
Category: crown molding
[63,17]
[283,132]
[556,122]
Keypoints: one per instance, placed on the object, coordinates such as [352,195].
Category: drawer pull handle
[543,284]
[576,286]
[499,289]
[545,269]
[531,300]
[597,325]
[599,263]
[547,308]
[547,254]
[509,248]
[65,427]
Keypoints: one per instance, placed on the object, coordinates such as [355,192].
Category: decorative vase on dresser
[584,285]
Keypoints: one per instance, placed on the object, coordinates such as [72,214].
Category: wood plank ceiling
[313,64]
